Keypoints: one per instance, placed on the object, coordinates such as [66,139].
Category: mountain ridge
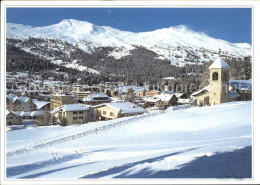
[176,43]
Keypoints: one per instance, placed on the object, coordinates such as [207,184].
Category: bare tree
[44,119]
[63,121]
[130,95]
[97,115]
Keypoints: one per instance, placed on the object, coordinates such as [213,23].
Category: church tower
[219,82]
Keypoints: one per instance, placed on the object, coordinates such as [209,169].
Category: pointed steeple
[219,63]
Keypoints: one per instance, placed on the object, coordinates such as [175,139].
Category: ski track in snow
[97,130]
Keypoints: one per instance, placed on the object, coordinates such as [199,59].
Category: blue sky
[231,24]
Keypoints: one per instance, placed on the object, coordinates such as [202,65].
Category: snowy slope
[177,43]
[161,144]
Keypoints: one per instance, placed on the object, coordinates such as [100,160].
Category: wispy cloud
[109,11]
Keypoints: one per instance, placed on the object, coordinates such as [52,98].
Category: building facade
[96,99]
[108,111]
[57,100]
[74,113]
[14,103]
[151,93]
[12,119]
[218,90]
[219,82]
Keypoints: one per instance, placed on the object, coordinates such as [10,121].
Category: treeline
[141,66]
[19,60]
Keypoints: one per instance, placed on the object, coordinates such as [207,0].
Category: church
[221,89]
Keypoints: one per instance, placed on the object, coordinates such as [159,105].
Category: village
[128,92]
[30,100]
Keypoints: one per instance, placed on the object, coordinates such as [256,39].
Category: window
[75,112]
[111,114]
[80,112]
[74,118]
[215,76]
[81,117]
[104,112]
[224,77]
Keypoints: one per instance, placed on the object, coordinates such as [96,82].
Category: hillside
[116,55]
[183,142]
[177,44]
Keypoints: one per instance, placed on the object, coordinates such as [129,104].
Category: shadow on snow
[51,171]
[130,165]
[17,170]
[236,164]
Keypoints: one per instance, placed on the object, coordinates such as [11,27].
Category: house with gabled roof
[96,99]
[164,99]
[59,99]
[16,103]
[42,105]
[74,113]
[12,118]
[109,111]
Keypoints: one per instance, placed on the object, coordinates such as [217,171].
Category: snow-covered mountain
[179,44]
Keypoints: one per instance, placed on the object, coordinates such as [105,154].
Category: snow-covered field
[197,142]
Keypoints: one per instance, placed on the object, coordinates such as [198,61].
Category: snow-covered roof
[136,89]
[115,99]
[219,63]
[184,100]
[32,113]
[97,97]
[7,113]
[10,98]
[151,99]
[242,81]
[40,104]
[73,97]
[244,85]
[178,95]
[44,95]
[200,91]
[21,99]
[52,83]
[125,107]
[72,107]
[169,78]
[164,96]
